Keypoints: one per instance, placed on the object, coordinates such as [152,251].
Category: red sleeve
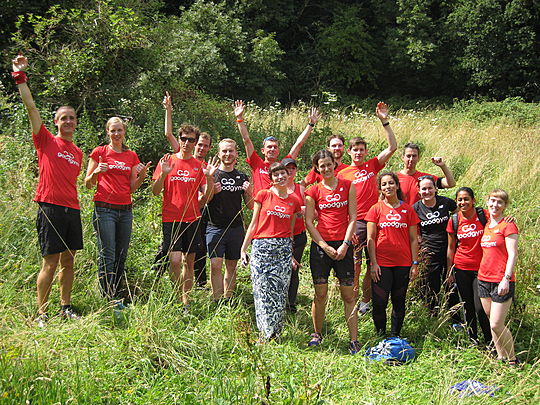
[157,172]
[450,226]
[261,196]
[510,229]
[413,217]
[378,165]
[96,153]
[311,177]
[136,160]
[254,160]
[372,214]
[41,138]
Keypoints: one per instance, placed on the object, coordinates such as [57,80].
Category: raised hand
[141,168]
[20,63]
[438,161]
[167,101]
[381,111]
[314,115]
[239,108]
[211,167]
[102,166]
[165,163]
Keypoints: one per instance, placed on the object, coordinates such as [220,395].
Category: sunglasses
[187,139]
[270,138]
[426,177]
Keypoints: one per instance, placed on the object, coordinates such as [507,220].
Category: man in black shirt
[225,230]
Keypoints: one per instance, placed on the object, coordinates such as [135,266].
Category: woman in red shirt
[271,228]
[496,281]
[392,243]
[334,200]
[118,173]
[463,260]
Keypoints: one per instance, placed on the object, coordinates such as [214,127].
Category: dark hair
[322,154]
[468,190]
[335,136]
[189,129]
[410,145]
[427,177]
[357,141]
[395,177]
[276,167]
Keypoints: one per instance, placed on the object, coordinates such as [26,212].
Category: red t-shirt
[364,178]
[114,185]
[299,225]
[332,207]
[313,177]
[181,190]
[259,172]
[469,252]
[275,215]
[409,186]
[59,163]
[393,247]
[495,256]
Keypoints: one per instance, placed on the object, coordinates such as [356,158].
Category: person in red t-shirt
[270,230]
[58,222]
[118,173]
[270,149]
[393,250]
[336,146]
[463,260]
[201,150]
[182,177]
[408,176]
[496,281]
[334,201]
[363,174]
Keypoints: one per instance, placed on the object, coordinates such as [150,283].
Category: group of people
[397,220]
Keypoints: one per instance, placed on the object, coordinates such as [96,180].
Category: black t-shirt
[225,209]
[433,223]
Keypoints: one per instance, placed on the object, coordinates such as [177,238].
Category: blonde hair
[116,120]
[206,135]
[500,193]
[227,140]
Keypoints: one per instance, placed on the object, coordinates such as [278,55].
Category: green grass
[158,355]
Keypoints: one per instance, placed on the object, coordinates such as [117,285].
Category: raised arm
[165,165]
[20,64]
[239,108]
[448,180]
[382,113]
[314,116]
[167,105]
[94,169]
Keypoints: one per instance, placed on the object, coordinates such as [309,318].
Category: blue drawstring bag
[469,388]
[393,348]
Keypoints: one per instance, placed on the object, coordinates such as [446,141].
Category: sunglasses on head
[426,177]
[187,139]
[270,138]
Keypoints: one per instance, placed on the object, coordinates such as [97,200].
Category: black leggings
[394,281]
[467,284]
[299,244]
[430,286]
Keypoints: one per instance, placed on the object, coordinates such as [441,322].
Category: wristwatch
[508,277]
[415,262]
[348,243]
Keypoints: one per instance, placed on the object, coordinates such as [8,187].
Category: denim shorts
[224,242]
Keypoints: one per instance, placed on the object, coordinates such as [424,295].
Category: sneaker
[354,347]
[457,327]
[119,306]
[514,363]
[69,313]
[41,320]
[363,307]
[316,340]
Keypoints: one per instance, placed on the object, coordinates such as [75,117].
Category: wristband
[386,124]
[19,77]
[311,124]
[506,276]
[239,121]
[348,243]
[415,262]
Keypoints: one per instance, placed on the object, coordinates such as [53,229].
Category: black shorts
[58,228]
[321,264]
[361,234]
[487,289]
[181,236]
[224,242]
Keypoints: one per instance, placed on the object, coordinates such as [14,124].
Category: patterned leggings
[270,274]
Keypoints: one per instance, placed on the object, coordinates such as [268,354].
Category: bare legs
[46,277]
[318,308]
[222,286]
[182,270]
[502,337]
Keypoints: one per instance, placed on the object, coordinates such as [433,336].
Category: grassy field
[156,354]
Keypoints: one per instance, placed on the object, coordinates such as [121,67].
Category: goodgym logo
[393,217]
[433,215]
[468,228]
[279,209]
[333,197]
[227,182]
[361,173]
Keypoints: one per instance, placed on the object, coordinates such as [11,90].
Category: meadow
[158,354]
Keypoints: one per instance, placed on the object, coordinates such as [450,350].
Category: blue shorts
[224,242]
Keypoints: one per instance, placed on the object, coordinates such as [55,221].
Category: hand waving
[239,108]
[20,63]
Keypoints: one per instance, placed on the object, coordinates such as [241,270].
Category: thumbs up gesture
[102,166]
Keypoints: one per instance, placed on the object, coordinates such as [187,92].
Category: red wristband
[19,77]
[239,120]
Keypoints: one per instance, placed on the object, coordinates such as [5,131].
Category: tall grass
[156,354]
